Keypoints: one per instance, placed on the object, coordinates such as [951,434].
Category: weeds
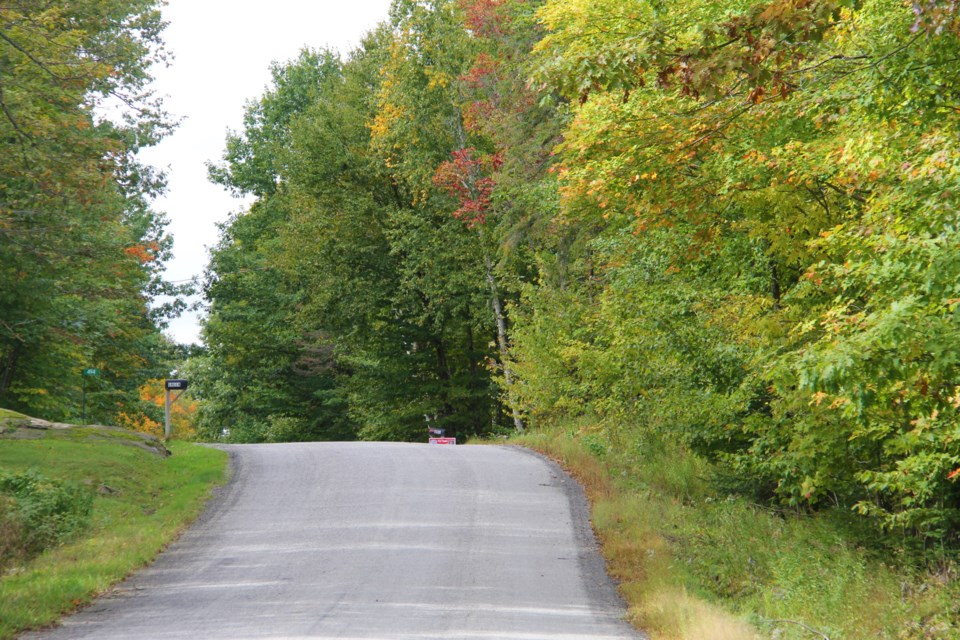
[39,513]
[697,563]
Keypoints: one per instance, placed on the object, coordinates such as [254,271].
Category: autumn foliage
[468,178]
[150,420]
[729,226]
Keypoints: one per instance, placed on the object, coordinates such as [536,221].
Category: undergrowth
[696,563]
[37,513]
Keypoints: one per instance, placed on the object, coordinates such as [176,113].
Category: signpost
[171,386]
[437,436]
[89,372]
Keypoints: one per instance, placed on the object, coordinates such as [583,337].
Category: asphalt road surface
[354,540]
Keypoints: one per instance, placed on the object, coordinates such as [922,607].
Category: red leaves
[478,112]
[484,69]
[485,18]
[467,178]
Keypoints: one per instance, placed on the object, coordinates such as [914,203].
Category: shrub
[37,513]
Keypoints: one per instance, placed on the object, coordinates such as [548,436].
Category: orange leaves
[812,276]
[181,412]
[144,253]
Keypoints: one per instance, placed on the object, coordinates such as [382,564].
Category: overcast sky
[222,52]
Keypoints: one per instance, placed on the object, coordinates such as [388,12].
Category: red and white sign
[443,441]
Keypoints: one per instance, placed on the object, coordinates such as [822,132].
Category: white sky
[222,52]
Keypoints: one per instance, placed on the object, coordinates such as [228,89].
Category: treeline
[727,226]
[80,249]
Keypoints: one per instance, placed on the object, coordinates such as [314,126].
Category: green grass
[142,502]
[696,564]
[6,413]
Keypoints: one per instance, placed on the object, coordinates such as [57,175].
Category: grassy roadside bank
[696,564]
[141,501]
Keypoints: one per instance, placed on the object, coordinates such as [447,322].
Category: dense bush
[37,513]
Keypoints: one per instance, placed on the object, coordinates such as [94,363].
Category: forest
[727,226]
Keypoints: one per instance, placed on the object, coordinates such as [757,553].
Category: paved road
[382,541]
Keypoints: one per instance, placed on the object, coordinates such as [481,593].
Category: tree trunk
[6,375]
[502,341]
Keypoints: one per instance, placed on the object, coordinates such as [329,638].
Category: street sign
[436,431]
[443,441]
[89,372]
[174,385]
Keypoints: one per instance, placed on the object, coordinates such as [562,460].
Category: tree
[264,377]
[80,250]
[799,149]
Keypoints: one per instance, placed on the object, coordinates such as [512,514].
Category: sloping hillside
[82,507]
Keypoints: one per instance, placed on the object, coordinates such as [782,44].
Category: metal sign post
[170,386]
[90,372]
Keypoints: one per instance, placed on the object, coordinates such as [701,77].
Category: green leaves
[785,176]
[733,224]
[80,251]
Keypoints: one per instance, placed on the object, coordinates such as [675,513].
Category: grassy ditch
[697,564]
[107,509]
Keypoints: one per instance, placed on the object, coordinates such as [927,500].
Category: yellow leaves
[954,400]
[436,79]
[637,177]
[386,117]
[925,422]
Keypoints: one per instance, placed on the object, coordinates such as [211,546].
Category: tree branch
[32,58]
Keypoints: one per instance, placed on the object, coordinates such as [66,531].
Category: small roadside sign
[443,441]
[91,372]
[176,385]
